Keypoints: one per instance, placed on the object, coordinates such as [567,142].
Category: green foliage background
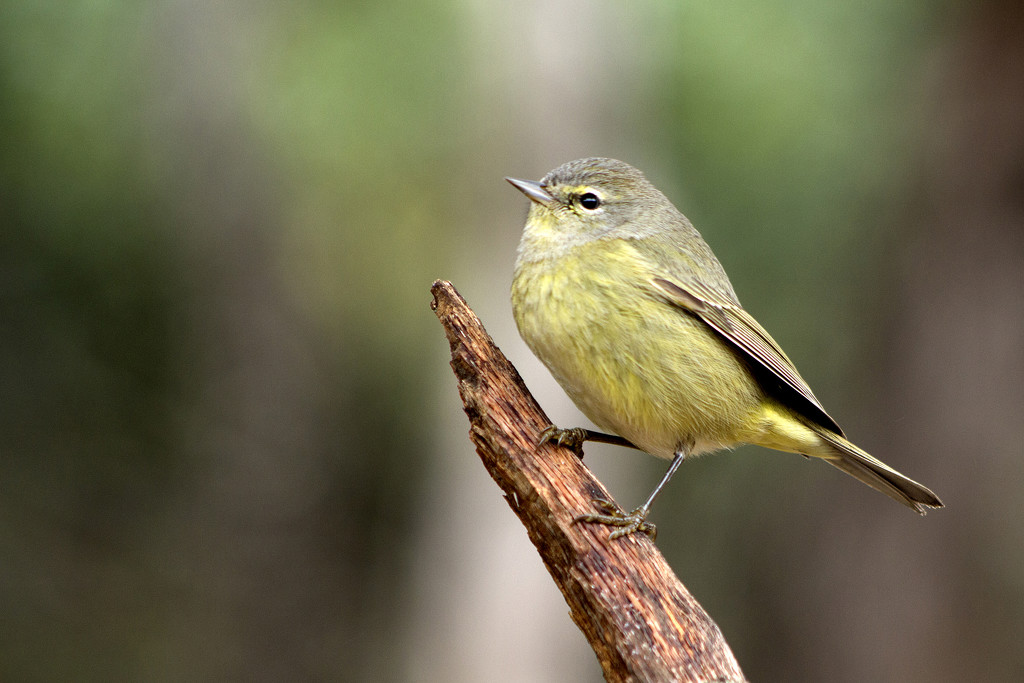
[229,445]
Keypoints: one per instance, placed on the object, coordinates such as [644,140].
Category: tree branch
[641,621]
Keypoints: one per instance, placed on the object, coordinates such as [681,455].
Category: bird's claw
[570,438]
[627,523]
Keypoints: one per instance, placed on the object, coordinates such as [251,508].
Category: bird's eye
[590,201]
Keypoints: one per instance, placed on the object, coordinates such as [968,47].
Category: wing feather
[740,329]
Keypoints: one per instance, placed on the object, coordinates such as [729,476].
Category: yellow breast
[633,363]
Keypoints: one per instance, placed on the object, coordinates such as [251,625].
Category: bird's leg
[573,438]
[637,519]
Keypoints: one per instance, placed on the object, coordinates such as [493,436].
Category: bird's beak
[533,190]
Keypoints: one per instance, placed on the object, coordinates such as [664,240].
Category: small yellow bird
[623,301]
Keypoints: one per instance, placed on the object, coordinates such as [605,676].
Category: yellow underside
[640,367]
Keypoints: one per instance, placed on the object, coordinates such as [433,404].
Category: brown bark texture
[640,620]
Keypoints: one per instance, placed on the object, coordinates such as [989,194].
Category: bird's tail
[877,474]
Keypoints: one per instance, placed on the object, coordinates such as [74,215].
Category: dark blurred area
[230,445]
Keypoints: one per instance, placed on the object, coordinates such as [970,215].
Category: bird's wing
[727,317]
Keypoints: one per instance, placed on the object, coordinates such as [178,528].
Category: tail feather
[878,475]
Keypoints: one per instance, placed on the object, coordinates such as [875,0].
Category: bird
[624,302]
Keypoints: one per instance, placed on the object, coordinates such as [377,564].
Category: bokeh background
[230,444]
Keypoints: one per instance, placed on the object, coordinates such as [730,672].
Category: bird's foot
[570,438]
[627,523]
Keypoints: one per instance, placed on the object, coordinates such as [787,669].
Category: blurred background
[231,447]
